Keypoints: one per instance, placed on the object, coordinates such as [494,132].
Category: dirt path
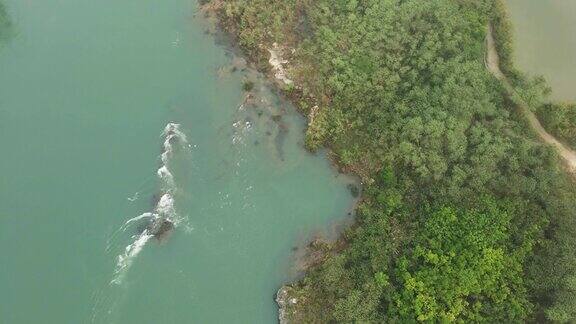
[492,62]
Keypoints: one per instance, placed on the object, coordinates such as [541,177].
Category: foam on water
[171,133]
[134,198]
[163,212]
[137,218]
[165,156]
[172,130]
[240,129]
[165,208]
[132,250]
[165,175]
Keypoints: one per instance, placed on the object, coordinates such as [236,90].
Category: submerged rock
[354,190]
[161,229]
[277,62]
[280,136]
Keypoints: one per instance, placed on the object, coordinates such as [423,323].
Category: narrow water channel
[86,89]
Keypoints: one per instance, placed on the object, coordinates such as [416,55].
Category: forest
[465,215]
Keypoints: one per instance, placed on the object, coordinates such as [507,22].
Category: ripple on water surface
[86,87]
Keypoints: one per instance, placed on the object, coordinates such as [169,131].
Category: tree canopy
[463,209]
[560,120]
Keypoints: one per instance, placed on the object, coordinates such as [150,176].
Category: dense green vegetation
[560,120]
[504,39]
[465,216]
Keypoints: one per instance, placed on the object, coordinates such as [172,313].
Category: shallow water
[545,42]
[86,89]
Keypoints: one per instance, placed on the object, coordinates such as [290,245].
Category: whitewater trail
[164,216]
[492,62]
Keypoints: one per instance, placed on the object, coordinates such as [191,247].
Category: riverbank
[270,60]
[493,65]
[315,251]
[439,149]
[499,44]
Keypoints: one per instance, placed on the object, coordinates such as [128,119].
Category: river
[545,43]
[86,89]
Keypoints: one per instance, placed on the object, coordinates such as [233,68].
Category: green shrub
[559,120]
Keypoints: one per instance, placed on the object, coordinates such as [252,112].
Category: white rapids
[164,212]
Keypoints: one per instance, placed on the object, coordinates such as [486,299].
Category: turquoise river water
[87,91]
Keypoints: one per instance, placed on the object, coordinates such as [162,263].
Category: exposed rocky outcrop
[285,302]
[277,62]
